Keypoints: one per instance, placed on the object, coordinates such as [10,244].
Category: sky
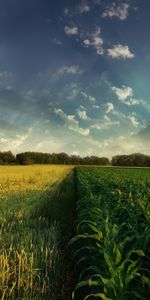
[75,76]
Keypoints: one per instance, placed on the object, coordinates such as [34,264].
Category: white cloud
[132,118]
[83,8]
[105,123]
[120,51]
[125,95]
[71,30]
[14,142]
[110,107]
[74,69]
[121,11]
[134,101]
[92,40]
[95,41]
[91,99]
[88,97]
[71,123]
[82,114]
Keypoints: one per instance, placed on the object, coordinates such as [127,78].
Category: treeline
[133,160]
[30,158]
[7,158]
[58,158]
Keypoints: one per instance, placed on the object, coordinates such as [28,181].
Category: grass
[31,253]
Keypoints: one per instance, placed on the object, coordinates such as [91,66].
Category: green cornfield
[111,247]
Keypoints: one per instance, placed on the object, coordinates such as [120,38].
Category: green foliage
[133,160]
[112,241]
[6,158]
[30,158]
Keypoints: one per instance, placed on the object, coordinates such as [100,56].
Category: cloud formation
[105,124]
[82,114]
[16,141]
[90,98]
[132,118]
[71,30]
[120,11]
[122,94]
[120,51]
[95,41]
[71,123]
[74,70]
[125,95]
[110,107]
[83,8]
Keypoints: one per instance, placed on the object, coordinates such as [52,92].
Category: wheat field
[30,252]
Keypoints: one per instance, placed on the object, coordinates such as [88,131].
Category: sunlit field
[77,234]
[30,251]
[23,178]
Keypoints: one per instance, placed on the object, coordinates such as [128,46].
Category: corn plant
[111,245]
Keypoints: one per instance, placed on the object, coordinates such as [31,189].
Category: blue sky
[74,76]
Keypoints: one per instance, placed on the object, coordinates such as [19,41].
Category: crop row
[111,248]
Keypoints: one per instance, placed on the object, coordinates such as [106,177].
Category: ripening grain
[30,253]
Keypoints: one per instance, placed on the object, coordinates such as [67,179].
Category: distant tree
[27,158]
[7,158]
[75,160]
[24,158]
[133,160]
[63,158]
[103,161]
[95,160]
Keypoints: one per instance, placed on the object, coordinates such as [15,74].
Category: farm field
[31,256]
[109,242]
[23,178]
[111,248]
